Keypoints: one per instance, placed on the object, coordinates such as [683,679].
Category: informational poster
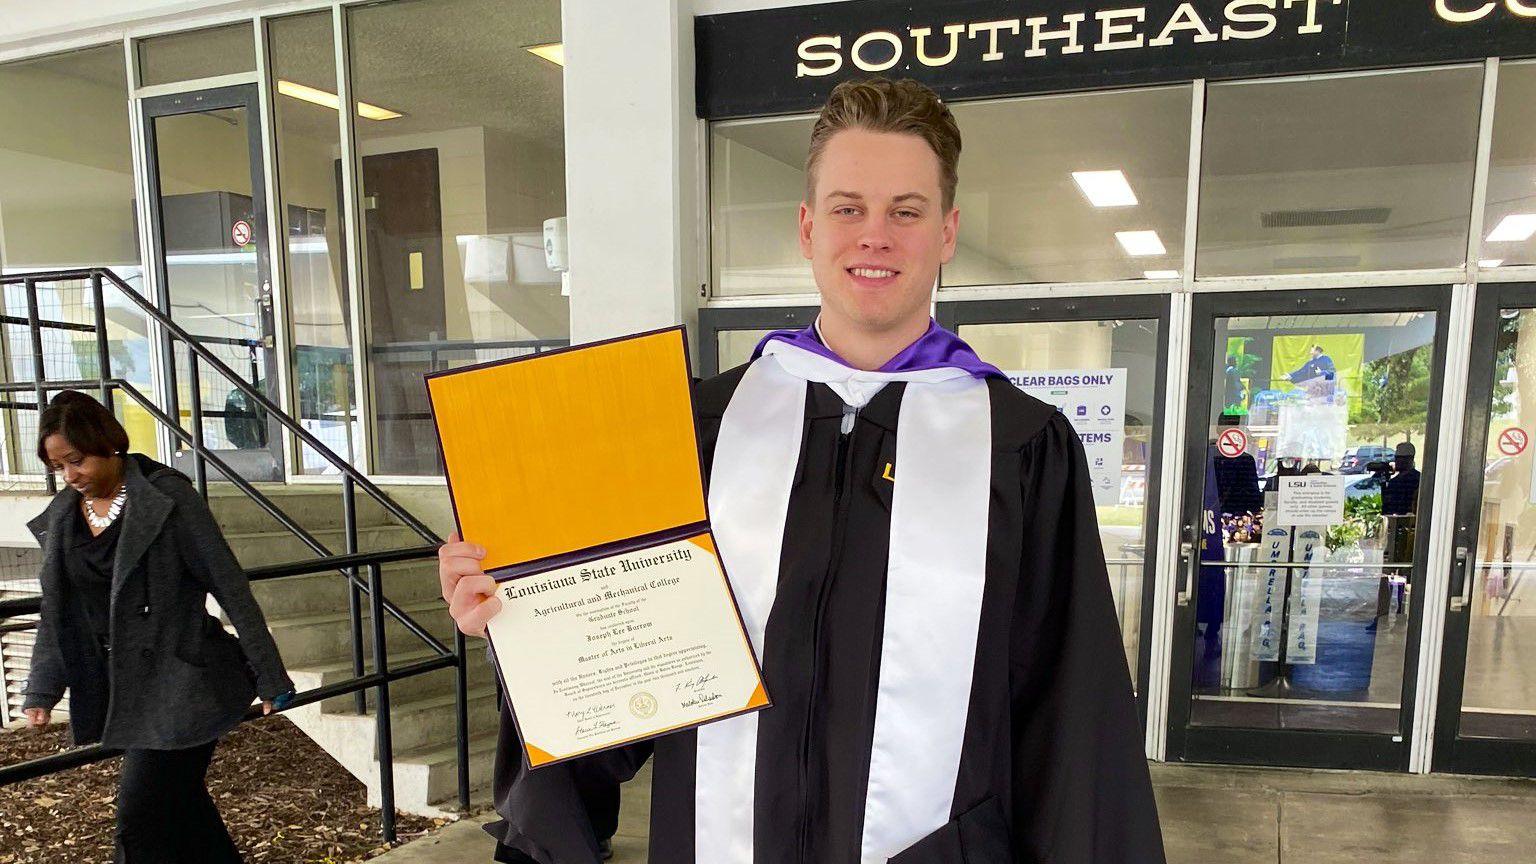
[1311,499]
[1306,596]
[1312,431]
[1276,549]
[1094,400]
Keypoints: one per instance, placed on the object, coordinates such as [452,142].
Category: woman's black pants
[164,812]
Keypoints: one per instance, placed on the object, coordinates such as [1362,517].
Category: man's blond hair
[904,107]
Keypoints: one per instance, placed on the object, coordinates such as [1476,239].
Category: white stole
[934,580]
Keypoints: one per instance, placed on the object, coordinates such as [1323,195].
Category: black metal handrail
[347,564]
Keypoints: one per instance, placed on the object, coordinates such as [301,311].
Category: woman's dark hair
[85,423]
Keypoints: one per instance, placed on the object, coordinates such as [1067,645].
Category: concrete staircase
[309,620]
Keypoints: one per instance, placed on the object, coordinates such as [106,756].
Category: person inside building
[130,555]
[1399,503]
[918,543]
[1400,497]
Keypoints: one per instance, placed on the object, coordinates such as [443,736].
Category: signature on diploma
[597,727]
[590,712]
[700,691]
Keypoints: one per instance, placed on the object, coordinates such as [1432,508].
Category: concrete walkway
[1214,815]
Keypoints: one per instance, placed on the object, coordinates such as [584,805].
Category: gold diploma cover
[578,471]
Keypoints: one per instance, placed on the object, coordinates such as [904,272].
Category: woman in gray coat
[130,555]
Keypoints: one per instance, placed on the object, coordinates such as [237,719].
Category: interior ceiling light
[332,101]
[1141,243]
[1490,263]
[554,52]
[1515,228]
[1105,188]
[1161,274]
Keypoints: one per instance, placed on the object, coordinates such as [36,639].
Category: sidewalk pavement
[1225,815]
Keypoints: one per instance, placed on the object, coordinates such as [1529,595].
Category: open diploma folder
[578,471]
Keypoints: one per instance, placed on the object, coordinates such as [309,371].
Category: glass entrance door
[208,211]
[1102,361]
[1309,460]
[1486,717]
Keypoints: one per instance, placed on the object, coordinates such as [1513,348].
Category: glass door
[209,231]
[1102,361]
[1309,460]
[1486,718]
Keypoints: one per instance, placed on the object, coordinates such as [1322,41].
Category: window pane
[1351,173]
[226,50]
[1049,186]
[757,182]
[309,170]
[459,174]
[1509,226]
[1118,470]
[67,201]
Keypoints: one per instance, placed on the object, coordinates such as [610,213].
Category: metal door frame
[247,96]
[1298,747]
[1452,753]
[954,314]
[715,320]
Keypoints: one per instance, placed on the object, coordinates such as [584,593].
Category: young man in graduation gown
[914,548]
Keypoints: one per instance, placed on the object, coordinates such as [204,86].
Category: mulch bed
[284,799]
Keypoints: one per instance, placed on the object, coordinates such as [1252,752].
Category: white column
[631,166]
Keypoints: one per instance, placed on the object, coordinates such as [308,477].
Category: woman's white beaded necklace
[112,511]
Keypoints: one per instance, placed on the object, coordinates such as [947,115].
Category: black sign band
[779,61]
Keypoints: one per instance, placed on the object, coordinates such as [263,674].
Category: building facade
[1258,251]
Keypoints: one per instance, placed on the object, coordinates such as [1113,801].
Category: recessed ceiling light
[1141,243]
[1490,263]
[1161,274]
[1105,188]
[330,100]
[554,52]
[1515,228]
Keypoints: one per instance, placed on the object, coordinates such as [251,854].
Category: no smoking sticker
[1513,441]
[241,233]
[1233,442]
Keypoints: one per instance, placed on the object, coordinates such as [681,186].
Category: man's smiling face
[877,231]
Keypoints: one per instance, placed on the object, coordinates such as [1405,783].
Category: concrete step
[317,506]
[325,636]
[281,546]
[406,582]
[422,722]
[335,670]
[427,778]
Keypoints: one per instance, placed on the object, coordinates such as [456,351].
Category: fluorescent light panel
[330,100]
[554,52]
[1105,188]
[1141,243]
[1515,228]
[1161,274]
[1490,263]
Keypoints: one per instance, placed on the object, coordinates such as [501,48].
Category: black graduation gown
[1052,768]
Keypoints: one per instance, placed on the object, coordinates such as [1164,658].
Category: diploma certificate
[578,471]
[622,648]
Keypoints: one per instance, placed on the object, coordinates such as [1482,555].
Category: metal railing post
[35,332]
[354,595]
[199,468]
[461,707]
[384,735]
[103,353]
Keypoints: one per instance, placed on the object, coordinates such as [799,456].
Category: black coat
[174,678]
[1052,770]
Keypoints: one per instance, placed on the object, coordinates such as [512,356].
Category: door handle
[1463,583]
[1191,561]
